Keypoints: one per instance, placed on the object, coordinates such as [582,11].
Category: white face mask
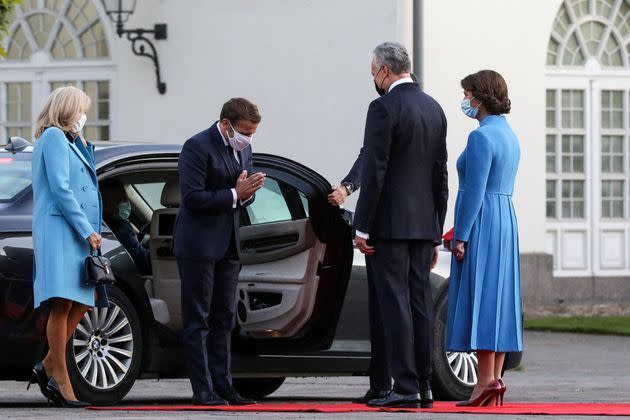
[239,141]
[78,126]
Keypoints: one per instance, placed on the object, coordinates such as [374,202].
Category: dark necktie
[232,158]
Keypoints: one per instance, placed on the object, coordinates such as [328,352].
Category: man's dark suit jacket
[404,179]
[206,219]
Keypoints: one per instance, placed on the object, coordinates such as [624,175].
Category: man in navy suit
[399,220]
[213,168]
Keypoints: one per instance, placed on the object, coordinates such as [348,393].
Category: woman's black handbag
[98,270]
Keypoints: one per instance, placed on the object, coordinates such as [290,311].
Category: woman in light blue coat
[66,227]
[484,298]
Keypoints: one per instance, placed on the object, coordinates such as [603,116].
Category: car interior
[280,253]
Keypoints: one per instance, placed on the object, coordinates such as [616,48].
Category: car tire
[257,388]
[104,355]
[454,374]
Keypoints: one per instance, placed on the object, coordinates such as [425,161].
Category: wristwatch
[348,186]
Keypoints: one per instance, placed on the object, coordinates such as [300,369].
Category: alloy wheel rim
[103,346]
[463,366]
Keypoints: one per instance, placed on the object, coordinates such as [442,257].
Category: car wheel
[454,373]
[257,388]
[104,356]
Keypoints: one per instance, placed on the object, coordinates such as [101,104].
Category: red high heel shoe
[502,392]
[493,389]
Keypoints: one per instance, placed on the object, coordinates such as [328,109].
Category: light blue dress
[67,209]
[484,297]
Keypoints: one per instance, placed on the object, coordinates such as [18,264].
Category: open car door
[296,252]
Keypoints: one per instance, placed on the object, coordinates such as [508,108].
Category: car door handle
[268,244]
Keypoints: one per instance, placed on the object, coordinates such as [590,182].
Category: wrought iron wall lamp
[119,11]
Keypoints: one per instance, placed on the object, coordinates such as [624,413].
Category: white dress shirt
[234,195]
[392,86]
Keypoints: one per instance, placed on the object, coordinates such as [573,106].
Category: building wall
[513,41]
[305,63]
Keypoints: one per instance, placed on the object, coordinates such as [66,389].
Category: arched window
[588,138]
[53,43]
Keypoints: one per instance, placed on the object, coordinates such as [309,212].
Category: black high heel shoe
[58,399]
[40,377]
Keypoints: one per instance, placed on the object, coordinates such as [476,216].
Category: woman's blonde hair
[62,109]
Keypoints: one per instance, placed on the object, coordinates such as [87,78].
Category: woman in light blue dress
[67,213]
[484,300]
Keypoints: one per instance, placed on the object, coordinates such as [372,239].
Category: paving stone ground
[556,367]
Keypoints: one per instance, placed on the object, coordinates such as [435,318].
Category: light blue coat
[484,295]
[67,210]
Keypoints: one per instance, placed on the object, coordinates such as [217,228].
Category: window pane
[616,143]
[551,119]
[617,99]
[551,156]
[566,144]
[270,205]
[566,189]
[605,119]
[606,209]
[551,144]
[578,209]
[15,176]
[578,189]
[578,144]
[617,209]
[551,98]
[566,119]
[566,164]
[551,209]
[151,192]
[578,100]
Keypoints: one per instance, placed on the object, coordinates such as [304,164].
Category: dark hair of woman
[489,87]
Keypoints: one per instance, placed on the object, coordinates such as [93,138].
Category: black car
[301,305]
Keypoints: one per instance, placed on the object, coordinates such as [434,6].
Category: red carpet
[567,409]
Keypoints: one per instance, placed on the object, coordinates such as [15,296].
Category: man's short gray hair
[393,55]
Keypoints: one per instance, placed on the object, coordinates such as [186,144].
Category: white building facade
[306,64]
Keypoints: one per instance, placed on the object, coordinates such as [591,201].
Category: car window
[304,201]
[15,176]
[151,192]
[269,205]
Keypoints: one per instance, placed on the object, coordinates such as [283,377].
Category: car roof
[106,150]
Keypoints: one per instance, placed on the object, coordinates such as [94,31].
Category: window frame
[292,199]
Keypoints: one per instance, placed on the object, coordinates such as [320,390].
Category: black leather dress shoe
[426,398]
[372,394]
[203,398]
[394,399]
[234,398]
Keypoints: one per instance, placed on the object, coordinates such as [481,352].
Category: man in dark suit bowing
[399,218]
[213,169]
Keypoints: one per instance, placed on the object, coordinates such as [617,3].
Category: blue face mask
[124,210]
[468,109]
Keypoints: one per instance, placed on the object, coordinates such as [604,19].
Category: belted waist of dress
[493,193]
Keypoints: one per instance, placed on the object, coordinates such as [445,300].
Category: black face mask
[379,90]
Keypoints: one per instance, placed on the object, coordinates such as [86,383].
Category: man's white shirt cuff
[234,198]
[363,234]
